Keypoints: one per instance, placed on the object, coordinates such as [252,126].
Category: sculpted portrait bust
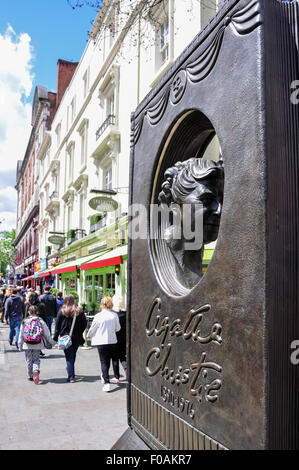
[196,183]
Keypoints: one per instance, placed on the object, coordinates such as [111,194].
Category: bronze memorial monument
[213,285]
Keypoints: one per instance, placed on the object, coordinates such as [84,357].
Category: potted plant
[54,290]
[94,220]
[84,307]
[92,308]
[71,236]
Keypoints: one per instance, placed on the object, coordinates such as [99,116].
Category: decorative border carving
[164,429]
[243,21]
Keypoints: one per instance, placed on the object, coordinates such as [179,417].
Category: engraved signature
[197,374]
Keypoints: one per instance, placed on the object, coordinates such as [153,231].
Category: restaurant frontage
[93,277]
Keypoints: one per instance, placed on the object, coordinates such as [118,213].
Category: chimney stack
[65,72]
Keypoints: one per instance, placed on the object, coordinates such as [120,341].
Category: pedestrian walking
[34,336]
[20,293]
[49,300]
[103,335]
[14,313]
[33,299]
[120,309]
[8,293]
[2,297]
[70,315]
[59,300]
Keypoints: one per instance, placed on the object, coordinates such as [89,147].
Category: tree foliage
[144,8]
[7,250]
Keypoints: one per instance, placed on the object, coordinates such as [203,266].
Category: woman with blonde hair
[103,335]
[63,326]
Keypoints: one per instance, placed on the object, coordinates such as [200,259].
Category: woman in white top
[103,335]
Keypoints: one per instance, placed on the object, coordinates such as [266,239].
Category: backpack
[33,331]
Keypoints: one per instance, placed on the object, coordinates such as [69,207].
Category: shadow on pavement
[60,380]
[54,356]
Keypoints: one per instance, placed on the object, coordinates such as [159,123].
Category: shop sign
[28,260]
[43,264]
[38,266]
[103,204]
[18,261]
[56,239]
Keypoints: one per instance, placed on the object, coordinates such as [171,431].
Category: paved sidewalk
[55,414]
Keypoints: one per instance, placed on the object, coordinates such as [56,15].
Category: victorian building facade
[27,186]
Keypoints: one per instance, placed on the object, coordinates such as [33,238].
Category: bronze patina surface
[210,352]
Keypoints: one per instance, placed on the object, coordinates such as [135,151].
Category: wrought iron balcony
[110,120]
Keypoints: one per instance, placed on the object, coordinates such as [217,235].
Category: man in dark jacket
[14,313]
[20,293]
[49,300]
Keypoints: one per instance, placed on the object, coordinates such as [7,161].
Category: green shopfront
[92,277]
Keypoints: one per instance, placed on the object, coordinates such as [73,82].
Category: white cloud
[16,81]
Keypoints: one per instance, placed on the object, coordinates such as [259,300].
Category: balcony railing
[110,120]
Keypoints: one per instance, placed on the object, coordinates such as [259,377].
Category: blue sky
[56,31]
[34,34]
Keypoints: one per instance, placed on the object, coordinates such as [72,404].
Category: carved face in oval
[199,183]
[207,199]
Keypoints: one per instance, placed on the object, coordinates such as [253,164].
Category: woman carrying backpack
[34,336]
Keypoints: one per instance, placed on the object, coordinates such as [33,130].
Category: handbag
[64,342]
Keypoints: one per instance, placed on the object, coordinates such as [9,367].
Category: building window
[47,157]
[58,134]
[41,198]
[107,178]
[110,110]
[208,9]
[47,194]
[162,37]
[85,83]
[83,134]
[55,184]
[69,218]
[73,109]
[81,211]
[70,163]
[97,286]
[164,41]
[111,25]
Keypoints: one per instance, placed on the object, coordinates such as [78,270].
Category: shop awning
[71,266]
[68,267]
[44,273]
[112,258]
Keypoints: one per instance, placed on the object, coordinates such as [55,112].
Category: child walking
[34,336]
